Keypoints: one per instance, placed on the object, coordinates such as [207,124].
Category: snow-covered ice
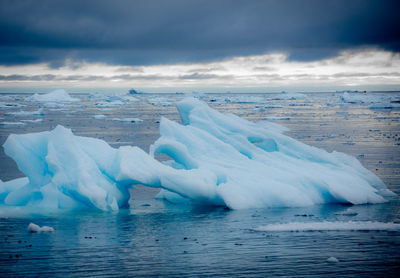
[33,228]
[39,112]
[129,120]
[33,121]
[159,101]
[12,123]
[289,96]
[54,96]
[217,159]
[9,105]
[99,116]
[332,260]
[330,226]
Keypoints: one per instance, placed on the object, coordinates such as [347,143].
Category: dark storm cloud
[156,32]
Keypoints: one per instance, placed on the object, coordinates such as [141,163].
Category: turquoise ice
[216,159]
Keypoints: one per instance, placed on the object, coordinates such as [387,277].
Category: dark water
[164,240]
[155,238]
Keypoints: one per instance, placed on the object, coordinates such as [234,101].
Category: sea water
[157,238]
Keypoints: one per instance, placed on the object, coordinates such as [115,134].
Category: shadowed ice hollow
[217,159]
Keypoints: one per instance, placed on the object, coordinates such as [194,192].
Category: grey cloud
[197,75]
[264,69]
[161,32]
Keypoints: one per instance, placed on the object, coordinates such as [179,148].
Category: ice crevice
[217,159]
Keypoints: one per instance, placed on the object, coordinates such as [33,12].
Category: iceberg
[55,96]
[216,159]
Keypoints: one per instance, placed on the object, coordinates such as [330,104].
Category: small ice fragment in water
[33,228]
[332,260]
[99,116]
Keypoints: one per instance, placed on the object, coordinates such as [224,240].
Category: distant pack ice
[217,159]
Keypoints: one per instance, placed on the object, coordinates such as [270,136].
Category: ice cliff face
[217,159]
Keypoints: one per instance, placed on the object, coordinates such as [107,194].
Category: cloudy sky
[167,45]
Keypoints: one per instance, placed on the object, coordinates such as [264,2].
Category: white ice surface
[99,116]
[54,96]
[33,228]
[39,112]
[217,159]
[332,260]
[129,120]
[330,226]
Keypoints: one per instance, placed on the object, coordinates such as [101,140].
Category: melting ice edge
[217,159]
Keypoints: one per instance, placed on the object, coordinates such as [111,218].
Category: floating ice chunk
[10,105]
[12,123]
[259,109]
[159,101]
[32,121]
[39,112]
[54,96]
[134,92]
[246,99]
[130,120]
[384,105]
[277,118]
[109,103]
[33,228]
[219,159]
[332,260]
[99,116]
[129,98]
[289,96]
[330,226]
[374,101]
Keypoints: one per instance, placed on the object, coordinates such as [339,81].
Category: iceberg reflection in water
[217,159]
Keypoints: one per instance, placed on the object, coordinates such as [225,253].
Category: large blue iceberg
[217,159]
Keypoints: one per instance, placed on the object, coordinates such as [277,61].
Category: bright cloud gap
[363,68]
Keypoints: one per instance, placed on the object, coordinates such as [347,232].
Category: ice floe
[39,112]
[332,260]
[99,116]
[217,159]
[12,123]
[33,228]
[330,226]
[129,120]
[55,96]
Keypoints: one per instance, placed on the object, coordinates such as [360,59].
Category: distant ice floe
[112,99]
[12,123]
[159,101]
[60,96]
[289,96]
[39,112]
[330,226]
[217,159]
[33,228]
[9,105]
[129,120]
[99,116]
[33,121]
[374,101]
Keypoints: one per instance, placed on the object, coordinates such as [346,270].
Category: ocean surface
[157,238]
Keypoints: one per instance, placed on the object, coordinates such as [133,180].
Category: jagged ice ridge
[217,159]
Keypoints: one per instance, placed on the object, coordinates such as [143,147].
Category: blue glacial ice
[216,159]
